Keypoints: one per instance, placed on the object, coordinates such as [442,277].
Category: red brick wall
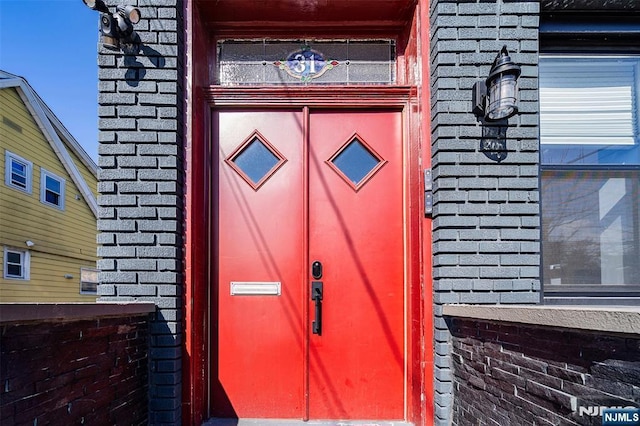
[506,374]
[80,372]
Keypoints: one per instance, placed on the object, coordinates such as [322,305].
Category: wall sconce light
[495,98]
[30,243]
[116,28]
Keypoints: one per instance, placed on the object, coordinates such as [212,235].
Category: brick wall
[141,173]
[506,374]
[75,372]
[486,222]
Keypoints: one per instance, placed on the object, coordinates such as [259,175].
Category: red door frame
[201,98]
[345,97]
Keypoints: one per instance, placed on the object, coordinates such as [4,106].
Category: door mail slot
[255,288]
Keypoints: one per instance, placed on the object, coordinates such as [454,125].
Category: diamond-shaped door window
[255,160]
[356,162]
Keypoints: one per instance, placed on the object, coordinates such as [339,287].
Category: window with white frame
[16,264]
[18,172]
[88,281]
[590,172]
[51,189]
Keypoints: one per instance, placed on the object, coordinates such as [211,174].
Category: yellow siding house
[48,203]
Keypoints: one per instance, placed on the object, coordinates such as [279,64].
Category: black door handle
[316,296]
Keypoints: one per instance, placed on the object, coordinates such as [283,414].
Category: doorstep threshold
[294,422]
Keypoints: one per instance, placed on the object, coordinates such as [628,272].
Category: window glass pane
[14,270]
[18,174]
[13,257]
[591,227]
[53,184]
[88,281]
[306,62]
[589,109]
[52,197]
[255,160]
[355,161]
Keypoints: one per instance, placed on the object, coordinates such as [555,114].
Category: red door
[309,302]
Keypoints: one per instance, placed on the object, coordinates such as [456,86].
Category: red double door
[308,285]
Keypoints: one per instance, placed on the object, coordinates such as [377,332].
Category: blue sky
[53,45]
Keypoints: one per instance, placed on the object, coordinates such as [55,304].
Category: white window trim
[44,173]
[9,157]
[26,264]
[88,293]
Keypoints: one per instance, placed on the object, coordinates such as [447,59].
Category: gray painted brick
[137,187]
[116,252]
[105,238]
[169,137]
[116,149]
[106,187]
[156,252]
[137,162]
[167,87]
[164,187]
[116,225]
[157,175]
[136,290]
[158,277]
[167,213]
[157,150]
[137,137]
[116,98]
[156,99]
[157,225]
[116,174]
[168,162]
[157,124]
[117,277]
[166,239]
[135,239]
[480,298]
[106,290]
[158,200]
[142,86]
[136,212]
[167,265]
[136,264]
[137,111]
[116,200]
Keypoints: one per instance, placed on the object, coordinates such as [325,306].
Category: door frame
[200,227]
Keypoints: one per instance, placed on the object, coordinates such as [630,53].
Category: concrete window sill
[24,312]
[611,319]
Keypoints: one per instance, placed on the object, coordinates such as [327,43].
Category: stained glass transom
[274,62]
[356,162]
[255,160]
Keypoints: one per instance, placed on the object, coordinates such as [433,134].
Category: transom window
[52,189]
[18,172]
[590,150]
[16,264]
[257,62]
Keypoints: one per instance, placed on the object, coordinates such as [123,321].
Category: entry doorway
[308,281]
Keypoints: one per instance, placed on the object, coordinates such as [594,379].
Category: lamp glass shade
[501,97]
[133,14]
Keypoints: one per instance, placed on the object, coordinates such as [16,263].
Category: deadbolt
[316,270]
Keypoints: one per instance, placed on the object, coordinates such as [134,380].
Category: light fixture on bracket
[495,98]
[116,28]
